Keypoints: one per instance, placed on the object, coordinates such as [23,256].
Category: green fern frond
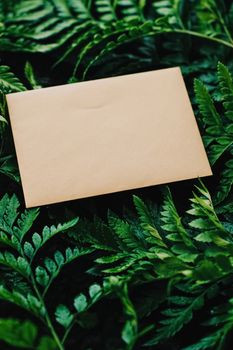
[52,267]
[222,319]
[8,213]
[17,333]
[209,342]
[131,9]
[207,221]
[8,165]
[90,30]
[123,230]
[31,77]
[106,10]
[28,302]
[9,82]
[14,227]
[19,264]
[177,316]
[82,303]
[39,240]
[25,222]
[24,335]
[206,105]
[172,223]
[226,86]
[64,316]
[148,224]
[226,182]
[218,131]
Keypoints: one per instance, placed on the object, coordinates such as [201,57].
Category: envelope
[107,135]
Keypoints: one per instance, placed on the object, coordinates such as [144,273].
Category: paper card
[107,135]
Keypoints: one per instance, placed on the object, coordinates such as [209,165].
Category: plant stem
[155,31]
[67,332]
[46,316]
[203,36]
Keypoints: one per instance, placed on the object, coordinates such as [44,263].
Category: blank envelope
[107,135]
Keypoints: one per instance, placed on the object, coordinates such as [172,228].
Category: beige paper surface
[106,135]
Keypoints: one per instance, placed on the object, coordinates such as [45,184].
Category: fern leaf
[209,342]
[177,317]
[10,241]
[63,316]
[8,165]
[143,212]
[47,343]
[25,222]
[147,222]
[30,75]
[172,222]
[52,267]
[82,8]
[226,86]
[82,303]
[226,182]
[29,302]
[210,115]
[130,10]
[123,230]
[8,81]
[221,145]
[8,213]
[18,333]
[19,264]
[209,223]
[109,259]
[106,10]
[38,241]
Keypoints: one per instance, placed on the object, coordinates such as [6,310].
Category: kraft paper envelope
[107,135]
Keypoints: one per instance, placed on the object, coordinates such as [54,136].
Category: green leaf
[8,81]
[42,276]
[176,318]
[208,342]
[80,303]
[39,240]
[63,316]
[30,75]
[28,249]
[18,333]
[18,264]
[226,86]
[9,167]
[128,333]
[206,106]
[53,266]
[46,343]
[28,302]
[206,271]
[95,291]
[225,184]
[172,222]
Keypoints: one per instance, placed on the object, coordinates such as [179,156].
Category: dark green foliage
[18,256]
[158,275]
[195,251]
[9,82]
[218,128]
[24,335]
[88,32]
